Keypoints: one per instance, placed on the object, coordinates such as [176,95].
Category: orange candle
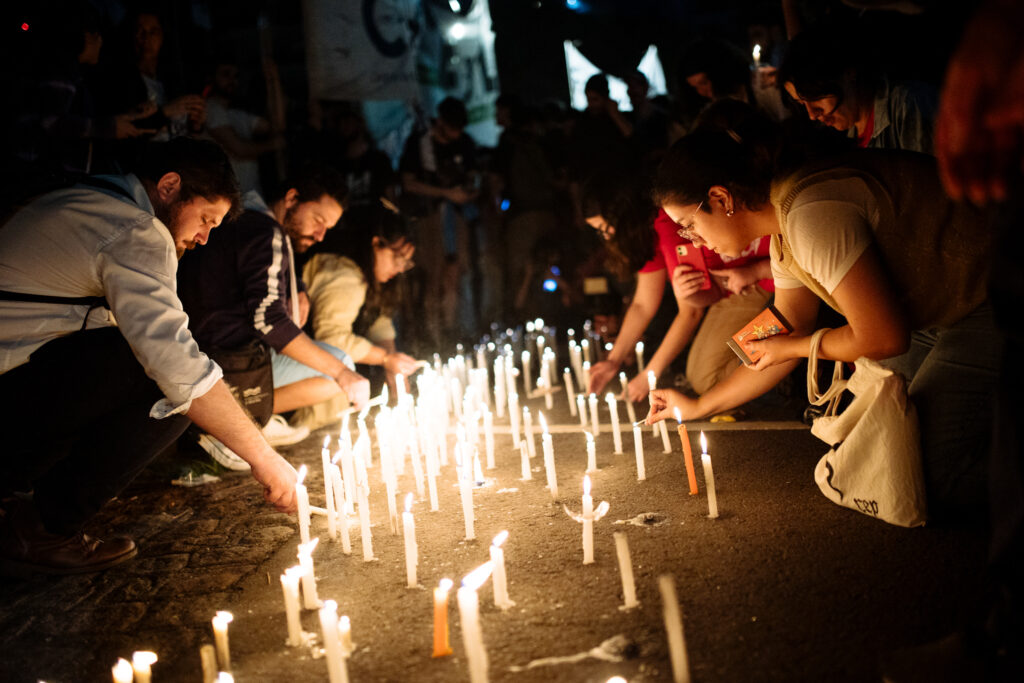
[442,648]
[684,438]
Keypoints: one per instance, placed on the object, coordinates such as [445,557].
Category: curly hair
[623,199]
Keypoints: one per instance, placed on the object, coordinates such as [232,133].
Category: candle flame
[590,437]
[703,443]
[336,458]
[609,397]
[478,576]
[640,346]
[526,356]
[302,475]
[499,539]
[543,422]
[123,670]
[676,414]
[223,617]
[652,380]
[445,585]
[586,484]
[293,573]
[329,606]
[344,624]
[327,441]
[408,502]
[538,324]
[585,344]
[586,365]
[540,339]
[308,548]
[225,677]
[143,658]
[757,52]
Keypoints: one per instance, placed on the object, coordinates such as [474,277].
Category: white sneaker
[279,433]
[222,454]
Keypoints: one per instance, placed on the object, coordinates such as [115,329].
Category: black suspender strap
[90,301]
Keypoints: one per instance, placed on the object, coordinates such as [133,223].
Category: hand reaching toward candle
[664,403]
[355,386]
[278,480]
[637,389]
[602,373]
[397,363]
[738,279]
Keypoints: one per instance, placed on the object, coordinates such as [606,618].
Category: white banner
[362,49]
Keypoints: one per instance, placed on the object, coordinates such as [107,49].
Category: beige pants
[710,360]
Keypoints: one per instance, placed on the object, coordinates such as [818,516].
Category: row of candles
[419,430]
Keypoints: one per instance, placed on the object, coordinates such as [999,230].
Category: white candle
[582,410]
[595,424]
[290,589]
[310,599]
[465,469]
[709,478]
[337,671]
[638,445]
[586,355]
[588,522]
[208,662]
[549,459]
[489,438]
[540,346]
[591,453]
[501,599]
[441,646]
[666,444]
[363,493]
[614,410]
[339,506]
[586,375]
[142,661]
[499,386]
[625,570]
[348,469]
[674,629]
[122,671]
[570,393]
[302,497]
[640,356]
[513,416]
[411,551]
[524,461]
[527,381]
[652,384]
[325,457]
[531,443]
[543,384]
[469,617]
[220,639]
[630,411]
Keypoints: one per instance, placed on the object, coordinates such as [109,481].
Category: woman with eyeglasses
[725,292]
[353,291]
[829,73]
[874,237]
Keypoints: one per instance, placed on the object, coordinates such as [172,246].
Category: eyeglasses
[686,230]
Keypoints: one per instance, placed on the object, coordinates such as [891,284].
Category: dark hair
[726,66]
[623,199]
[598,83]
[453,112]
[732,145]
[203,166]
[312,182]
[829,59]
[62,28]
[354,239]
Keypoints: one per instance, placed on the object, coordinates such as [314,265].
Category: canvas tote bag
[874,465]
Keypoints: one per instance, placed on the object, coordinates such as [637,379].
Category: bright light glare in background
[455,5]
[580,69]
[457,31]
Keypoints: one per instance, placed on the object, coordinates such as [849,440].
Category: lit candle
[409,532]
[513,416]
[337,671]
[630,411]
[489,438]
[684,439]
[469,617]
[640,356]
[709,478]
[225,677]
[339,506]
[310,599]
[591,453]
[527,381]
[141,663]
[674,629]
[586,375]
[499,386]
[524,461]
[585,344]
[220,639]
[442,648]
[549,459]
[625,570]
[345,635]
[363,492]
[595,424]
[582,410]
[531,443]
[588,522]
[465,473]
[570,393]
[290,588]
[208,662]
[540,346]
[544,385]
[325,457]
[501,599]
[614,410]
[638,445]
[122,671]
[348,469]
[302,496]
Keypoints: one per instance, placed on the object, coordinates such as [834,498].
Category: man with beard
[98,370]
[247,305]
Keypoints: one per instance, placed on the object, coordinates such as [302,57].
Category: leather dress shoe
[27,549]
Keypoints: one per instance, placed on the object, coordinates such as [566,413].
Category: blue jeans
[289,371]
[952,374]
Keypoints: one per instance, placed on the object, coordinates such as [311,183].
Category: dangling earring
[729,213]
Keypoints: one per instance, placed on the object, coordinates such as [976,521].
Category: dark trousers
[76,426]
